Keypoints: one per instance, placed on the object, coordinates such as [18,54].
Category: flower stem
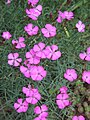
[66,31]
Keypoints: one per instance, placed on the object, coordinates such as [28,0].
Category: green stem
[66,31]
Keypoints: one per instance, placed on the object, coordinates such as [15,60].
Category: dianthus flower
[78,118]
[26,70]
[32,94]
[49,31]
[33,2]
[19,43]
[14,60]
[68,15]
[38,73]
[62,100]
[61,17]
[42,112]
[70,75]
[8,1]
[32,58]
[21,106]
[80,26]
[6,35]
[38,49]
[31,29]
[86,76]
[85,55]
[63,89]
[52,52]
[34,13]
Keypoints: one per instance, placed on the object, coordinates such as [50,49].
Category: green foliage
[13,18]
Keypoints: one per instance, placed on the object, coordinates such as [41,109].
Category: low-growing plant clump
[45,60]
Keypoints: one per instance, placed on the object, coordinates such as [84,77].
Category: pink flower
[31,29]
[85,55]
[34,13]
[63,89]
[52,52]
[38,10]
[19,43]
[32,94]
[70,75]
[27,91]
[61,17]
[26,70]
[69,15]
[62,100]
[42,112]
[78,118]
[32,58]
[80,26]
[14,60]
[6,35]
[86,76]
[8,1]
[33,2]
[21,106]
[38,49]
[38,73]
[49,31]
[88,54]
[26,62]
